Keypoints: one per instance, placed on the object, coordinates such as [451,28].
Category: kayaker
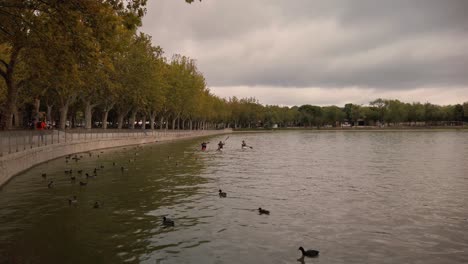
[203,145]
[220,145]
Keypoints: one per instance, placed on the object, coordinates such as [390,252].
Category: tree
[459,113]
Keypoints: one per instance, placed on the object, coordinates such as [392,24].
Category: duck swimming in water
[72,201]
[167,221]
[222,194]
[311,253]
[96,204]
[83,183]
[50,185]
[263,211]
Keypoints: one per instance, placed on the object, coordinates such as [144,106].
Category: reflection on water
[358,197]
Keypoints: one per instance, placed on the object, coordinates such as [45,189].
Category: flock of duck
[73,201]
[167,222]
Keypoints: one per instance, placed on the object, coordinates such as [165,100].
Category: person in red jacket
[41,125]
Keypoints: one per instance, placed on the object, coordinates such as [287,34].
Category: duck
[122,169]
[50,185]
[87,175]
[113,163]
[311,253]
[80,171]
[102,166]
[72,178]
[167,221]
[72,201]
[222,194]
[68,171]
[83,183]
[44,175]
[96,204]
[263,211]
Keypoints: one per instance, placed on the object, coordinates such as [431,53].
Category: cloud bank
[321,52]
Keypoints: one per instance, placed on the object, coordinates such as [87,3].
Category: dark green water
[358,197]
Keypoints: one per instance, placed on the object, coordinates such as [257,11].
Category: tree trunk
[120,119]
[132,119]
[161,123]
[35,111]
[16,117]
[183,124]
[152,118]
[143,122]
[105,115]
[63,116]
[88,115]
[173,123]
[12,90]
[190,125]
[49,113]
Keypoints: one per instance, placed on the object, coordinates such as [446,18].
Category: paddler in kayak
[244,145]
[221,145]
[203,145]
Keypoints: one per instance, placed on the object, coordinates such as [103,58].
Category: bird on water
[222,194]
[50,185]
[167,221]
[263,211]
[311,253]
[73,201]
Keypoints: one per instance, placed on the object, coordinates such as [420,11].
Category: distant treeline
[85,64]
[379,112]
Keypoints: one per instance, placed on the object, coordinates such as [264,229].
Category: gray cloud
[386,45]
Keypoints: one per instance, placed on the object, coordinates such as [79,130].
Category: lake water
[358,197]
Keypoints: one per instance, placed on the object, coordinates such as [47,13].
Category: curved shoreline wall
[15,163]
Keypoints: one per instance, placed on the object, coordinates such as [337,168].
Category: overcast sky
[293,52]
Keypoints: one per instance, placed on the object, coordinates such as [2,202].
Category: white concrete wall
[15,163]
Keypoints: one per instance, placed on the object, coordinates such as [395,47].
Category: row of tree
[379,112]
[65,55]
[84,63]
